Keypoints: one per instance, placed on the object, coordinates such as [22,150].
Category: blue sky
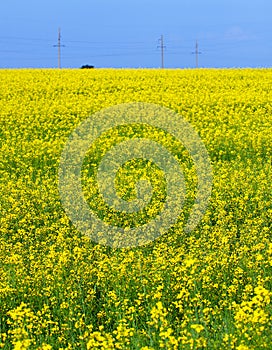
[123,33]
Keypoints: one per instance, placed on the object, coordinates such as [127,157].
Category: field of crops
[209,288]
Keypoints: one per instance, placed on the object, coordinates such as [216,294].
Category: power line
[162,47]
[59,46]
[106,42]
[196,52]
[97,49]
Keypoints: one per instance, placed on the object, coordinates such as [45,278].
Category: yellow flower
[58,287]
[197,327]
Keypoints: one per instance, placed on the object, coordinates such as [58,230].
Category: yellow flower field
[206,289]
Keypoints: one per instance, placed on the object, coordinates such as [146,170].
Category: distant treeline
[87,66]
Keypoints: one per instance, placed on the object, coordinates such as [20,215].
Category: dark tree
[87,66]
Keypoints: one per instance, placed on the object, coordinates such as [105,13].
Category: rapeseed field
[208,288]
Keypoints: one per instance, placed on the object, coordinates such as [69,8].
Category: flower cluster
[210,288]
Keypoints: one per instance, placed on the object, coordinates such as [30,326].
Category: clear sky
[125,33]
